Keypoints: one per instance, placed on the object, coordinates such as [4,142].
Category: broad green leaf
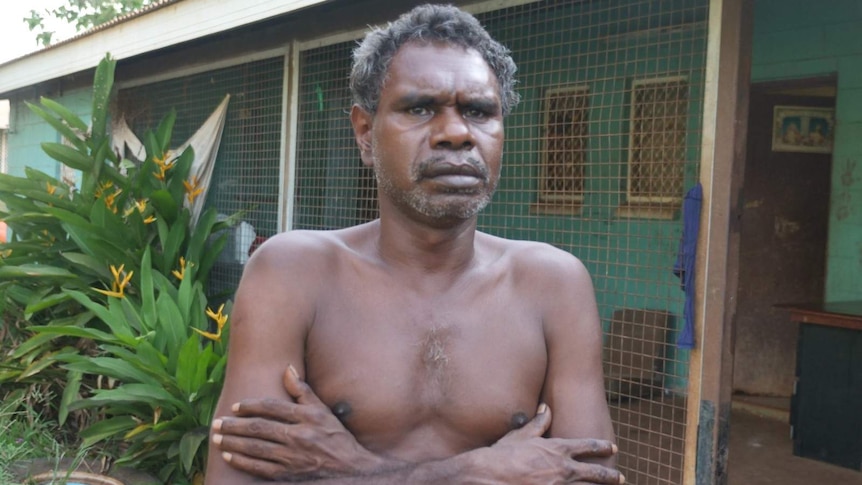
[87,262]
[134,393]
[163,133]
[113,367]
[62,128]
[103,83]
[172,328]
[43,303]
[69,156]
[148,297]
[34,271]
[73,331]
[68,116]
[187,364]
[167,208]
[70,394]
[106,428]
[189,446]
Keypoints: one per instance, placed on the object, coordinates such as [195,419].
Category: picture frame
[803,129]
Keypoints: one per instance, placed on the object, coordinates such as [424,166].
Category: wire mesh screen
[246,172]
[598,156]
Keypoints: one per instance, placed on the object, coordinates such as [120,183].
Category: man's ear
[362,122]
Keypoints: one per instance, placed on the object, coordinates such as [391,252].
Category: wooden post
[728,74]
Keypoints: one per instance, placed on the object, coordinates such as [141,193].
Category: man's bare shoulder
[308,248]
[535,261]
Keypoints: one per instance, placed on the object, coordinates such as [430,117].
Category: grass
[25,434]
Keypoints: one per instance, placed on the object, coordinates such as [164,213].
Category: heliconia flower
[103,187]
[150,219]
[163,165]
[220,320]
[111,200]
[180,273]
[192,189]
[118,286]
[50,188]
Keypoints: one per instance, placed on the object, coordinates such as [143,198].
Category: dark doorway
[783,239]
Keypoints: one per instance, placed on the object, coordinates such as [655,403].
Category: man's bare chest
[458,371]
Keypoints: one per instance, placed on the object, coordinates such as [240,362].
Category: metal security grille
[657,143]
[599,80]
[565,150]
[246,173]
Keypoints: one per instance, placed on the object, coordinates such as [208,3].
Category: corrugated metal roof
[162,24]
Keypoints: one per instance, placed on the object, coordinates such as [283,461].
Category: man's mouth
[456,175]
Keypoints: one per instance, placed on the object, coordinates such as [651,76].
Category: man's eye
[475,113]
[418,111]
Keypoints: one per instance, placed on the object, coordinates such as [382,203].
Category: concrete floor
[761,453]
[651,434]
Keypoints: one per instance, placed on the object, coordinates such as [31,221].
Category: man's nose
[452,131]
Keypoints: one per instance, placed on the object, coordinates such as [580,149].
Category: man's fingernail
[217,425]
[235,408]
[293,371]
[542,408]
[226,456]
[217,439]
[622,479]
[615,449]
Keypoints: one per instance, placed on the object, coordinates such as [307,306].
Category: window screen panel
[246,172]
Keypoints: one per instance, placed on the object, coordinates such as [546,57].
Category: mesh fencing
[598,156]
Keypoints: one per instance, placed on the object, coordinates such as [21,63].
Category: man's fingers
[253,466]
[275,409]
[298,389]
[259,428]
[596,474]
[587,447]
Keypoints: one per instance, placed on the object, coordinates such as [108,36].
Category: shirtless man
[418,349]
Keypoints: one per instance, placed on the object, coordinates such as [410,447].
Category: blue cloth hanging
[685,261]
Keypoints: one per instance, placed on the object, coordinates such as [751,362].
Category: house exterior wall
[27,131]
[799,39]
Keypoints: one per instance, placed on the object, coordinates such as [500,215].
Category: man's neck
[408,244]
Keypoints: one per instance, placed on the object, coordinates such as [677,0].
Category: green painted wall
[28,131]
[799,39]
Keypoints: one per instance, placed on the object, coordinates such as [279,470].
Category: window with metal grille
[561,179]
[659,118]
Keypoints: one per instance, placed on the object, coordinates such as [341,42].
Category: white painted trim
[289,185]
[192,70]
[476,8]
[168,26]
[286,137]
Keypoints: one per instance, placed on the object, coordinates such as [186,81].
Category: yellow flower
[111,200]
[192,189]
[150,220]
[118,286]
[220,320]
[141,205]
[51,189]
[103,187]
[163,165]
[180,273]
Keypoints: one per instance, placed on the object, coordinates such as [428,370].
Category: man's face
[436,140]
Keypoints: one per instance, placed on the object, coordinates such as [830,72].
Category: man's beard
[436,206]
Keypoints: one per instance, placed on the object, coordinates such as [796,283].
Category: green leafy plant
[107,285]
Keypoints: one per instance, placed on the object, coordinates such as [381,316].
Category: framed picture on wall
[803,129]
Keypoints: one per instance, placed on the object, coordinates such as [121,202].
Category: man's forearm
[454,470]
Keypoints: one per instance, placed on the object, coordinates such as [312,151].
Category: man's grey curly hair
[427,24]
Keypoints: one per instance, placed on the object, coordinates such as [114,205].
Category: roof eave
[157,29]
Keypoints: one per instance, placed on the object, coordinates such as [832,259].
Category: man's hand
[524,457]
[283,440]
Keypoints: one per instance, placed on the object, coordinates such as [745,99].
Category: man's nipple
[519,419]
[342,410]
